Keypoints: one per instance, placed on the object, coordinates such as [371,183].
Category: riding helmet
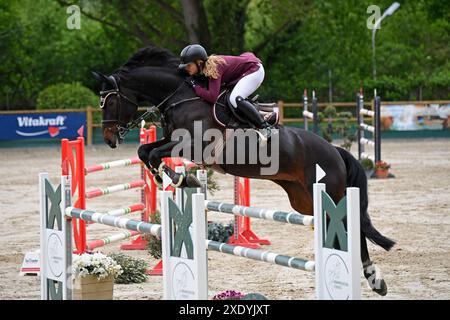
[192,53]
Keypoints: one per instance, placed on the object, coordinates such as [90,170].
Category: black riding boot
[254,117]
[250,113]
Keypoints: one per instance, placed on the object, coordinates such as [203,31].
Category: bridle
[122,127]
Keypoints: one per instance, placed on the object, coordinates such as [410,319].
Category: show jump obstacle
[310,115]
[73,164]
[375,128]
[337,271]
[243,234]
[56,235]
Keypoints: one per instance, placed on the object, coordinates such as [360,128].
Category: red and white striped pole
[74,166]
[148,193]
[243,233]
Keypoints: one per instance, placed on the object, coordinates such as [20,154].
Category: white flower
[95,264]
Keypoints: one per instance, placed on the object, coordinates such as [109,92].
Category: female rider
[245,72]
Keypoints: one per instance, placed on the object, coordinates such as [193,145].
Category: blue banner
[408,117]
[41,125]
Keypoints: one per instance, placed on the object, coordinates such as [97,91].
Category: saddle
[227,116]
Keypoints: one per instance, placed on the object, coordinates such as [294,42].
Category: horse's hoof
[376,283]
[192,181]
[178,181]
[189,181]
[380,288]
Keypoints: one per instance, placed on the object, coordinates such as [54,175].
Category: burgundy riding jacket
[235,69]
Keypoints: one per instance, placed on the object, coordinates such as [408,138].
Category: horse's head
[118,108]
[150,75]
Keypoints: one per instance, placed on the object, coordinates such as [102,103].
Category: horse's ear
[100,77]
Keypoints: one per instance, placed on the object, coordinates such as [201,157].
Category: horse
[151,75]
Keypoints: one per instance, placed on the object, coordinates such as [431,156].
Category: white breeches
[247,85]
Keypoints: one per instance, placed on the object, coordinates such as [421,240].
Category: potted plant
[236,295]
[134,270]
[382,169]
[94,276]
[368,166]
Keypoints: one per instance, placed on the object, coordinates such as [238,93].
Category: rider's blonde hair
[210,66]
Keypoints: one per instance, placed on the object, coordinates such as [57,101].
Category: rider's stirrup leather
[249,111]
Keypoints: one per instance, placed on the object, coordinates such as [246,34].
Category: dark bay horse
[151,75]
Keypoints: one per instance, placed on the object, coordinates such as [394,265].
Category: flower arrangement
[382,169]
[96,264]
[236,295]
[381,165]
[228,295]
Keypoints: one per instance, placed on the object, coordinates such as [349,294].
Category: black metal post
[305,108]
[377,135]
[314,111]
[359,117]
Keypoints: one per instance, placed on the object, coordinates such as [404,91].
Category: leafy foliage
[134,270]
[333,122]
[367,164]
[216,231]
[154,243]
[302,43]
[220,232]
[66,96]
[254,296]
[211,179]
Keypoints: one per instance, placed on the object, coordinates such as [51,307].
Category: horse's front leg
[145,149]
[178,180]
[144,154]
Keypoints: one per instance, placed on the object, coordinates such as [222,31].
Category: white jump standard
[337,271]
[184,243]
[374,129]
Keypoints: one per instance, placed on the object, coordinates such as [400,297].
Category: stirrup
[267,132]
[262,138]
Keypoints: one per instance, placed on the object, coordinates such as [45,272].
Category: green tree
[301,42]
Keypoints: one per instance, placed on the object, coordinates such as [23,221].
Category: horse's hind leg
[376,282]
[301,193]
[301,200]
[300,197]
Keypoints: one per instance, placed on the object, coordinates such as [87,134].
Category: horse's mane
[151,56]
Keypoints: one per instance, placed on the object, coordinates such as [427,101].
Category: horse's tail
[356,177]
